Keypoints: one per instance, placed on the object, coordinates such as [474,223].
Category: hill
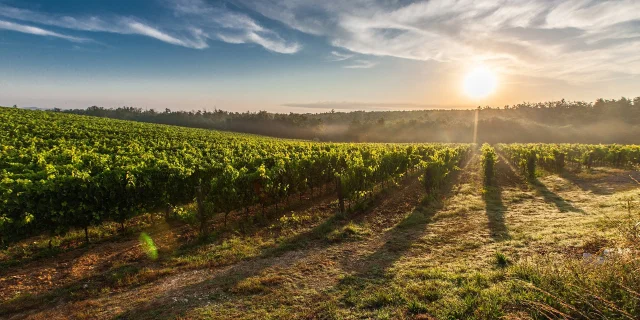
[604,121]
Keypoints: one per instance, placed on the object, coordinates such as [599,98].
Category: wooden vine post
[202,214]
[340,193]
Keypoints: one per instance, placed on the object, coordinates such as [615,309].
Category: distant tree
[599,105]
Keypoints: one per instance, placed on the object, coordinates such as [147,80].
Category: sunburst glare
[480,82]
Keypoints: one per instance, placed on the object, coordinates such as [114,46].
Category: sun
[480,82]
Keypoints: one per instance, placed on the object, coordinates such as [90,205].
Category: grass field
[512,250]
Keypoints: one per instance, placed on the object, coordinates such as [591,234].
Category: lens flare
[148,246]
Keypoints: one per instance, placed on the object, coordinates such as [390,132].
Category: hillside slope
[468,254]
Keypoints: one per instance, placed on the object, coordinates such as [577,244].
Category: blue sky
[309,56]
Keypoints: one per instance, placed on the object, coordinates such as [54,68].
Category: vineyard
[393,230]
[63,171]
[555,157]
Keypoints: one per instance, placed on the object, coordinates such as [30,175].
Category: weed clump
[351,231]
[501,259]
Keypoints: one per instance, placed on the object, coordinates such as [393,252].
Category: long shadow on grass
[164,306]
[404,234]
[400,240]
[81,289]
[370,286]
[258,222]
[495,209]
[552,197]
[223,285]
[586,185]
[90,287]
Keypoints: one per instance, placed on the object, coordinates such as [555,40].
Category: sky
[313,56]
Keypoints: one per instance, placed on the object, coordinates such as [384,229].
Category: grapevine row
[60,171]
[555,157]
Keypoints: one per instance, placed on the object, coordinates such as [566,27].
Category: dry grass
[498,252]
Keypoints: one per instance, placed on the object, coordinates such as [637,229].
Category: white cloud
[566,39]
[352,61]
[120,25]
[145,30]
[232,27]
[549,38]
[38,31]
[361,64]
[593,15]
[197,20]
[340,56]
[273,43]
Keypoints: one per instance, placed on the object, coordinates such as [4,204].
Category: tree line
[602,121]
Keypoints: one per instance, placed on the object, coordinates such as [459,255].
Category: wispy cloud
[574,40]
[232,27]
[549,38]
[197,23]
[115,24]
[197,41]
[361,64]
[351,59]
[38,31]
[271,44]
[340,56]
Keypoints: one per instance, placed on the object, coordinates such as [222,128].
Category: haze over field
[310,56]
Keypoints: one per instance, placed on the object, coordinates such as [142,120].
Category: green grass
[502,260]
[508,252]
[349,232]
[227,252]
